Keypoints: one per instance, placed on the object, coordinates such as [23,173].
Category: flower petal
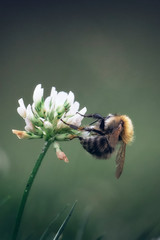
[29,113]
[21,109]
[29,126]
[73,109]
[21,134]
[47,104]
[61,98]
[62,156]
[53,93]
[70,98]
[83,111]
[76,119]
[79,120]
[47,124]
[38,93]
[60,124]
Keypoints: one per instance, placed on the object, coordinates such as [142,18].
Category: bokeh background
[108,54]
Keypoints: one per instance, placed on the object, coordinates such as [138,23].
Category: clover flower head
[44,117]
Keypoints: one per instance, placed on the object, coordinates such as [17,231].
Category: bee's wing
[120,159]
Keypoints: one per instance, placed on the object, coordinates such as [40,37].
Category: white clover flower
[44,117]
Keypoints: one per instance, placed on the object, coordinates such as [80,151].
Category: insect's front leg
[95,115]
[72,126]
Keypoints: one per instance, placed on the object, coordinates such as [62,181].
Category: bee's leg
[88,129]
[70,137]
[93,130]
[67,137]
[72,126]
[97,117]
[75,127]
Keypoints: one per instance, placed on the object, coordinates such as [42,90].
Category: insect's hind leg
[77,128]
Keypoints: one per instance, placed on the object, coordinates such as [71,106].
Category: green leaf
[100,237]
[62,227]
[83,224]
[46,232]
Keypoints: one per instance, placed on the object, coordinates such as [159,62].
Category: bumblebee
[105,135]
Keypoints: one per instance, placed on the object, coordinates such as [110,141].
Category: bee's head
[113,121]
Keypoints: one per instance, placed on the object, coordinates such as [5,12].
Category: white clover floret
[60,99]
[73,109]
[77,118]
[38,94]
[29,125]
[47,124]
[29,113]
[21,109]
[47,104]
[53,93]
[70,98]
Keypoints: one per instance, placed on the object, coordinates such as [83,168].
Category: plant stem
[28,188]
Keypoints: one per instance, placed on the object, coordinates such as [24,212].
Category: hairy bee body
[98,146]
[104,136]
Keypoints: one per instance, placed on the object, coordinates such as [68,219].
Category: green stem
[28,188]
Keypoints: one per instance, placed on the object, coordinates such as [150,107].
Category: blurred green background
[108,54]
